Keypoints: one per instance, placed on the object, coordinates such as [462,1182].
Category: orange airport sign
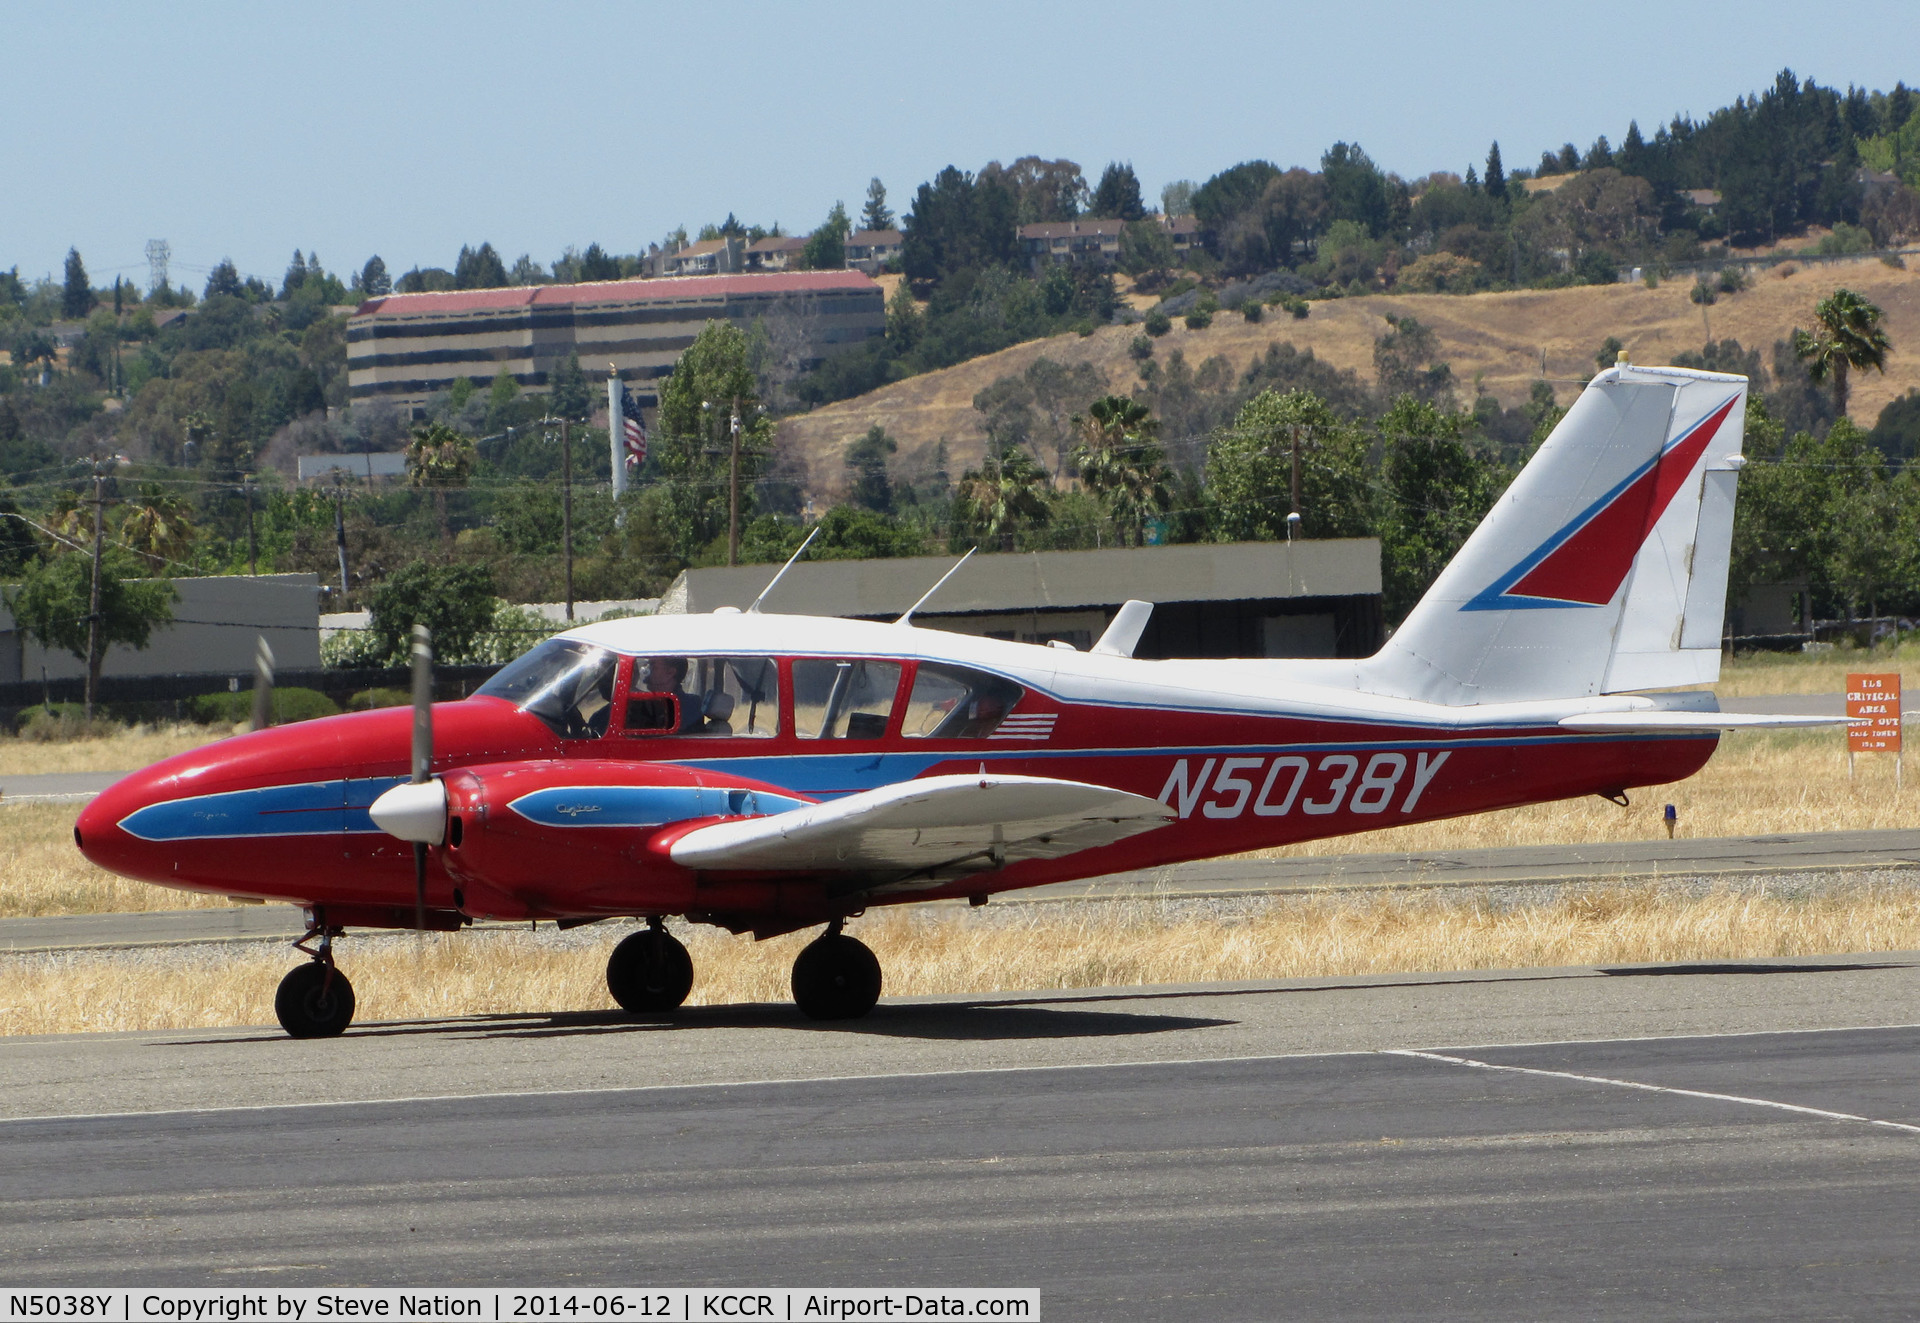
[1873,713]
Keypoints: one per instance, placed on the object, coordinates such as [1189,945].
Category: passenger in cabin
[666,675]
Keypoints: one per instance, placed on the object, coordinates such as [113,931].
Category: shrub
[1158,323]
[368,699]
[61,723]
[1199,320]
[290,704]
[1141,347]
[1251,311]
[1732,280]
[1702,292]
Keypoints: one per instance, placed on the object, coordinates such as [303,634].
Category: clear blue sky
[407,129]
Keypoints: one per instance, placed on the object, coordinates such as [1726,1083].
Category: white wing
[928,830]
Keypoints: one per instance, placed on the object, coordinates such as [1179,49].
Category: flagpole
[616,433]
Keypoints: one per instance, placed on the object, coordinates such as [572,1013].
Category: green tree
[454,601]
[439,459]
[866,463]
[374,281]
[479,268]
[1007,490]
[296,275]
[18,547]
[1250,471]
[53,604]
[692,445]
[1121,463]
[76,297]
[159,529]
[1496,179]
[1145,245]
[1117,195]
[1407,360]
[1608,353]
[571,398]
[225,279]
[1846,336]
[598,264]
[826,248]
[500,397]
[876,215]
[1437,488]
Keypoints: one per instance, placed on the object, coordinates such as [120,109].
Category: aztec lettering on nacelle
[1239,785]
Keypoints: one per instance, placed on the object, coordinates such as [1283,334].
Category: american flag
[633,431]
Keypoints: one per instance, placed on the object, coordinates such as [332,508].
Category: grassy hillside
[1498,339]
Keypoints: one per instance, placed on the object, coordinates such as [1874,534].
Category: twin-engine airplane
[768,773]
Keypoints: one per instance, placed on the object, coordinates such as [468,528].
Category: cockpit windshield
[565,683]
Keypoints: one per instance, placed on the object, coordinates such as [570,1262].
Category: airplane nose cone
[413,812]
[98,834]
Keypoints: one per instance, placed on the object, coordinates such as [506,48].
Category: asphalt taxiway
[1646,1142]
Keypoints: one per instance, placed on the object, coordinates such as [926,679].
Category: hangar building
[408,347]
[1316,598]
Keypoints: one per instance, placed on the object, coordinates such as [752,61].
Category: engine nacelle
[581,837]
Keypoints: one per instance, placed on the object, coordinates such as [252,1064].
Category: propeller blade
[262,683]
[422,704]
[420,886]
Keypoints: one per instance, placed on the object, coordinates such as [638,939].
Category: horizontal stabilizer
[1658,723]
[936,826]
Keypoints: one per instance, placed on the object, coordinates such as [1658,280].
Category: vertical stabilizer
[1603,567]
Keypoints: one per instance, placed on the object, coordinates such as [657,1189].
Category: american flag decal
[1031,726]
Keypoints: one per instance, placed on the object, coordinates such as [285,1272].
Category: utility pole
[93,597]
[566,506]
[1296,468]
[253,541]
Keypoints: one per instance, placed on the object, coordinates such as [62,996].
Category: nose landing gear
[315,1000]
[836,977]
[650,972]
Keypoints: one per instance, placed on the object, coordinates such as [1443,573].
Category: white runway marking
[1652,1088]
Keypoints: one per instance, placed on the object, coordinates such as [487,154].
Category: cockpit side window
[957,702]
[565,683]
[714,696]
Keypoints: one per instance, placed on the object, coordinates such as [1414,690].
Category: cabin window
[566,683]
[708,696]
[843,700]
[957,703]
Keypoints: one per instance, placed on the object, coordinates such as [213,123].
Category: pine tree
[1496,179]
[876,215]
[76,300]
[570,397]
[374,280]
[1117,197]
[296,275]
[224,279]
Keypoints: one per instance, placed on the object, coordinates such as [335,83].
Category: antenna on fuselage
[904,619]
[754,610]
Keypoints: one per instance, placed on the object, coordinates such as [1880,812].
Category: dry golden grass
[956,951]
[124,750]
[1498,340]
[1756,784]
[1752,674]
[41,872]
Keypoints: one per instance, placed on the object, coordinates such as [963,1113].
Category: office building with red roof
[406,348]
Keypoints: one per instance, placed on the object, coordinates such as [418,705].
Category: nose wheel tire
[314,1001]
[650,972]
[836,978]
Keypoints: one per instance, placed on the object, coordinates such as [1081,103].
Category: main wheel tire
[650,972]
[836,978]
[310,1004]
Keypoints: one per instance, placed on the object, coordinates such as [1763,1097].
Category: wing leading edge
[927,831]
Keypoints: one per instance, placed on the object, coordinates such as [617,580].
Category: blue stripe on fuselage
[643,806]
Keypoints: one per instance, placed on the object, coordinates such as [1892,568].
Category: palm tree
[1004,490]
[1122,463]
[158,528]
[1847,335]
[439,457]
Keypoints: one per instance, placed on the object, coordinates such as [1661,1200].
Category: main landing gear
[315,1000]
[836,977]
[650,973]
